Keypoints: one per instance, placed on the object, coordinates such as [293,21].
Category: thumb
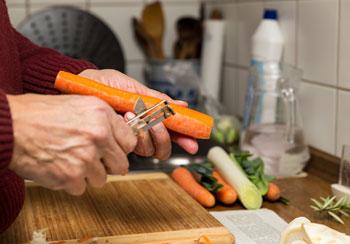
[129,116]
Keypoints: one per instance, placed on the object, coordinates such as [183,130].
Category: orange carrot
[186,121]
[203,239]
[273,193]
[226,194]
[185,179]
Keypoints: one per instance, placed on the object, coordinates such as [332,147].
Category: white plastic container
[267,47]
[268,39]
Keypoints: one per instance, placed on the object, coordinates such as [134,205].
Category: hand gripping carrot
[186,121]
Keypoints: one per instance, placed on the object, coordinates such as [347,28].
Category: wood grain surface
[143,208]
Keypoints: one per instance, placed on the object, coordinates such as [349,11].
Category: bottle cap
[271,14]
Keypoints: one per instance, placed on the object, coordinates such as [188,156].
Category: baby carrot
[273,193]
[226,194]
[185,179]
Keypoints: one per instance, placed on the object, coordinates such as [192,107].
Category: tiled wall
[117,14]
[317,37]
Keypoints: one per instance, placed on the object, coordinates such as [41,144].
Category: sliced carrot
[186,121]
[203,239]
[273,192]
[185,179]
[226,194]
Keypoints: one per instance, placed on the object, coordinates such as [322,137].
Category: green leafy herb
[332,207]
[254,168]
[205,171]
[284,200]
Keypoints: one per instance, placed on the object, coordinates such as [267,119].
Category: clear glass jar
[175,77]
[273,129]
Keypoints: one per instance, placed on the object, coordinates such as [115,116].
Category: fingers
[95,172]
[180,103]
[156,143]
[72,176]
[161,141]
[76,187]
[122,133]
[157,94]
[189,144]
[115,159]
[144,145]
[120,143]
[96,175]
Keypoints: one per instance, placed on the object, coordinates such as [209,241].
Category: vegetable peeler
[146,118]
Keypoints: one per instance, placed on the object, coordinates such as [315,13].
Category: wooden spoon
[153,24]
[143,39]
[188,44]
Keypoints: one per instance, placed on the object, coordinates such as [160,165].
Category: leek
[248,193]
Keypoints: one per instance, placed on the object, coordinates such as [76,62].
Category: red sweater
[24,67]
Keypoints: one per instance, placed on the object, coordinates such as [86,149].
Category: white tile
[15,2]
[249,17]
[218,1]
[318,106]
[175,1]
[172,13]
[136,71]
[242,90]
[230,90]
[33,8]
[287,21]
[231,43]
[57,2]
[317,40]
[344,42]
[119,19]
[343,125]
[17,14]
[116,1]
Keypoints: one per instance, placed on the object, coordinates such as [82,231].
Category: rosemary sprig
[332,207]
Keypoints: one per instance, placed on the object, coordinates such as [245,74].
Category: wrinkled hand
[67,142]
[157,143]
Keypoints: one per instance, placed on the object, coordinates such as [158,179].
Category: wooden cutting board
[138,208]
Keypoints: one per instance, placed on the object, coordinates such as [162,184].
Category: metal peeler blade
[146,118]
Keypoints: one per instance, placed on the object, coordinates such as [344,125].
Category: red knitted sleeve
[6,133]
[41,65]
[11,185]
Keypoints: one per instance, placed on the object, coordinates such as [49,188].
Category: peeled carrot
[203,239]
[273,192]
[185,179]
[226,194]
[186,121]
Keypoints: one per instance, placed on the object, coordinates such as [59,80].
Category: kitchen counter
[322,171]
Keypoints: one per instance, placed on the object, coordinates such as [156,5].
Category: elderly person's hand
[67,142]
[157,143]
